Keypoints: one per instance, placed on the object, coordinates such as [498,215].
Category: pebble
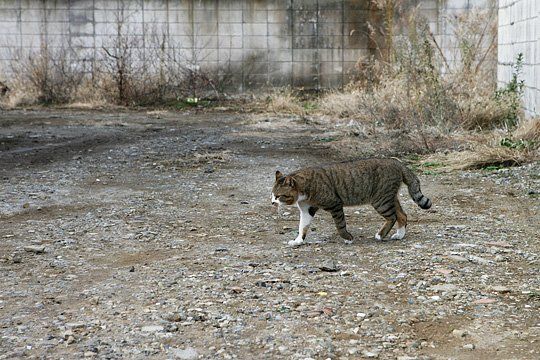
[152,328]
[37,249]
[500,289]
[173,316]
[75,325]
[469,346]
[329,266]
[484,301]
[457,258]
[480,260]
[444,287]
[370,354]
[460,333]
[188,353]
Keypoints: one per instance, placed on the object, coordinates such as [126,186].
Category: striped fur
[370,181]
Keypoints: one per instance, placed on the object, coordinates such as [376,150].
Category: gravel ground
[151,235]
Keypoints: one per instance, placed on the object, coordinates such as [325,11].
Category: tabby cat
[370,181]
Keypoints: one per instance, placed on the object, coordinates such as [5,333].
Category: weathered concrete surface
[262,43]
[519,32]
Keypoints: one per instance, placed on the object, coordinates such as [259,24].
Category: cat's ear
[279,175]
[289,181]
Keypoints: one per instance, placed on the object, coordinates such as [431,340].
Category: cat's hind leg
[402,222]
[388,210]
[306,216]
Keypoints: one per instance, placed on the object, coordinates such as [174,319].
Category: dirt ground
[151,235]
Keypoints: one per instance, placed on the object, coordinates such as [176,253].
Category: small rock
[89,354]
[70,340]
[173,317]
[236,289]
[329,266]
[152,328]
[328,311]
[444,271]
[444,287]
[484,301]
[457,258]
[370,354]
[460,333]
[185,354]
[37,249]
[75,325]
[469,346]
[456,227]
[132,269]
[479,260]
[500,289]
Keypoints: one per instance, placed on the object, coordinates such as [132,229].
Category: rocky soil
[151,235]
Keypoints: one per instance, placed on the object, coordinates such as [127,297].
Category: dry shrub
[496,148]
[483,111]
[92,93]
[51,75]
[529,131]
[412,84]
[483,156]
[285,101]
[342,104]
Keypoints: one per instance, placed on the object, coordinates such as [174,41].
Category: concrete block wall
[309,43]
[442,17]
[519,32]
[259,43]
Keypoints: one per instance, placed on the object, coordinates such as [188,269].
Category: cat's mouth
[275,201]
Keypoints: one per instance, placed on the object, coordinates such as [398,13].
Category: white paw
[377,237]
[400,234]
[296,242]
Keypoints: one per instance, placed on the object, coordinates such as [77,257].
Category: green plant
[493,167]
[432,164]
[512,93]
[519,144]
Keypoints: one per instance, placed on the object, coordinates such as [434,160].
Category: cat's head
[285,190]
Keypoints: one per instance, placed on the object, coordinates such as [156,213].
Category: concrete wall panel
[265,43]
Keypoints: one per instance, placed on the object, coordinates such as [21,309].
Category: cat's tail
[412,182]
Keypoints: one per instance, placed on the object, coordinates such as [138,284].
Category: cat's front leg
[339,220]
[306,216]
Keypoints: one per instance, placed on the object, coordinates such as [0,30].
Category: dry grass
[494,149]
[529,131]
[18,98]
[484,156]
[285,101]
[342,104]
[196,160]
